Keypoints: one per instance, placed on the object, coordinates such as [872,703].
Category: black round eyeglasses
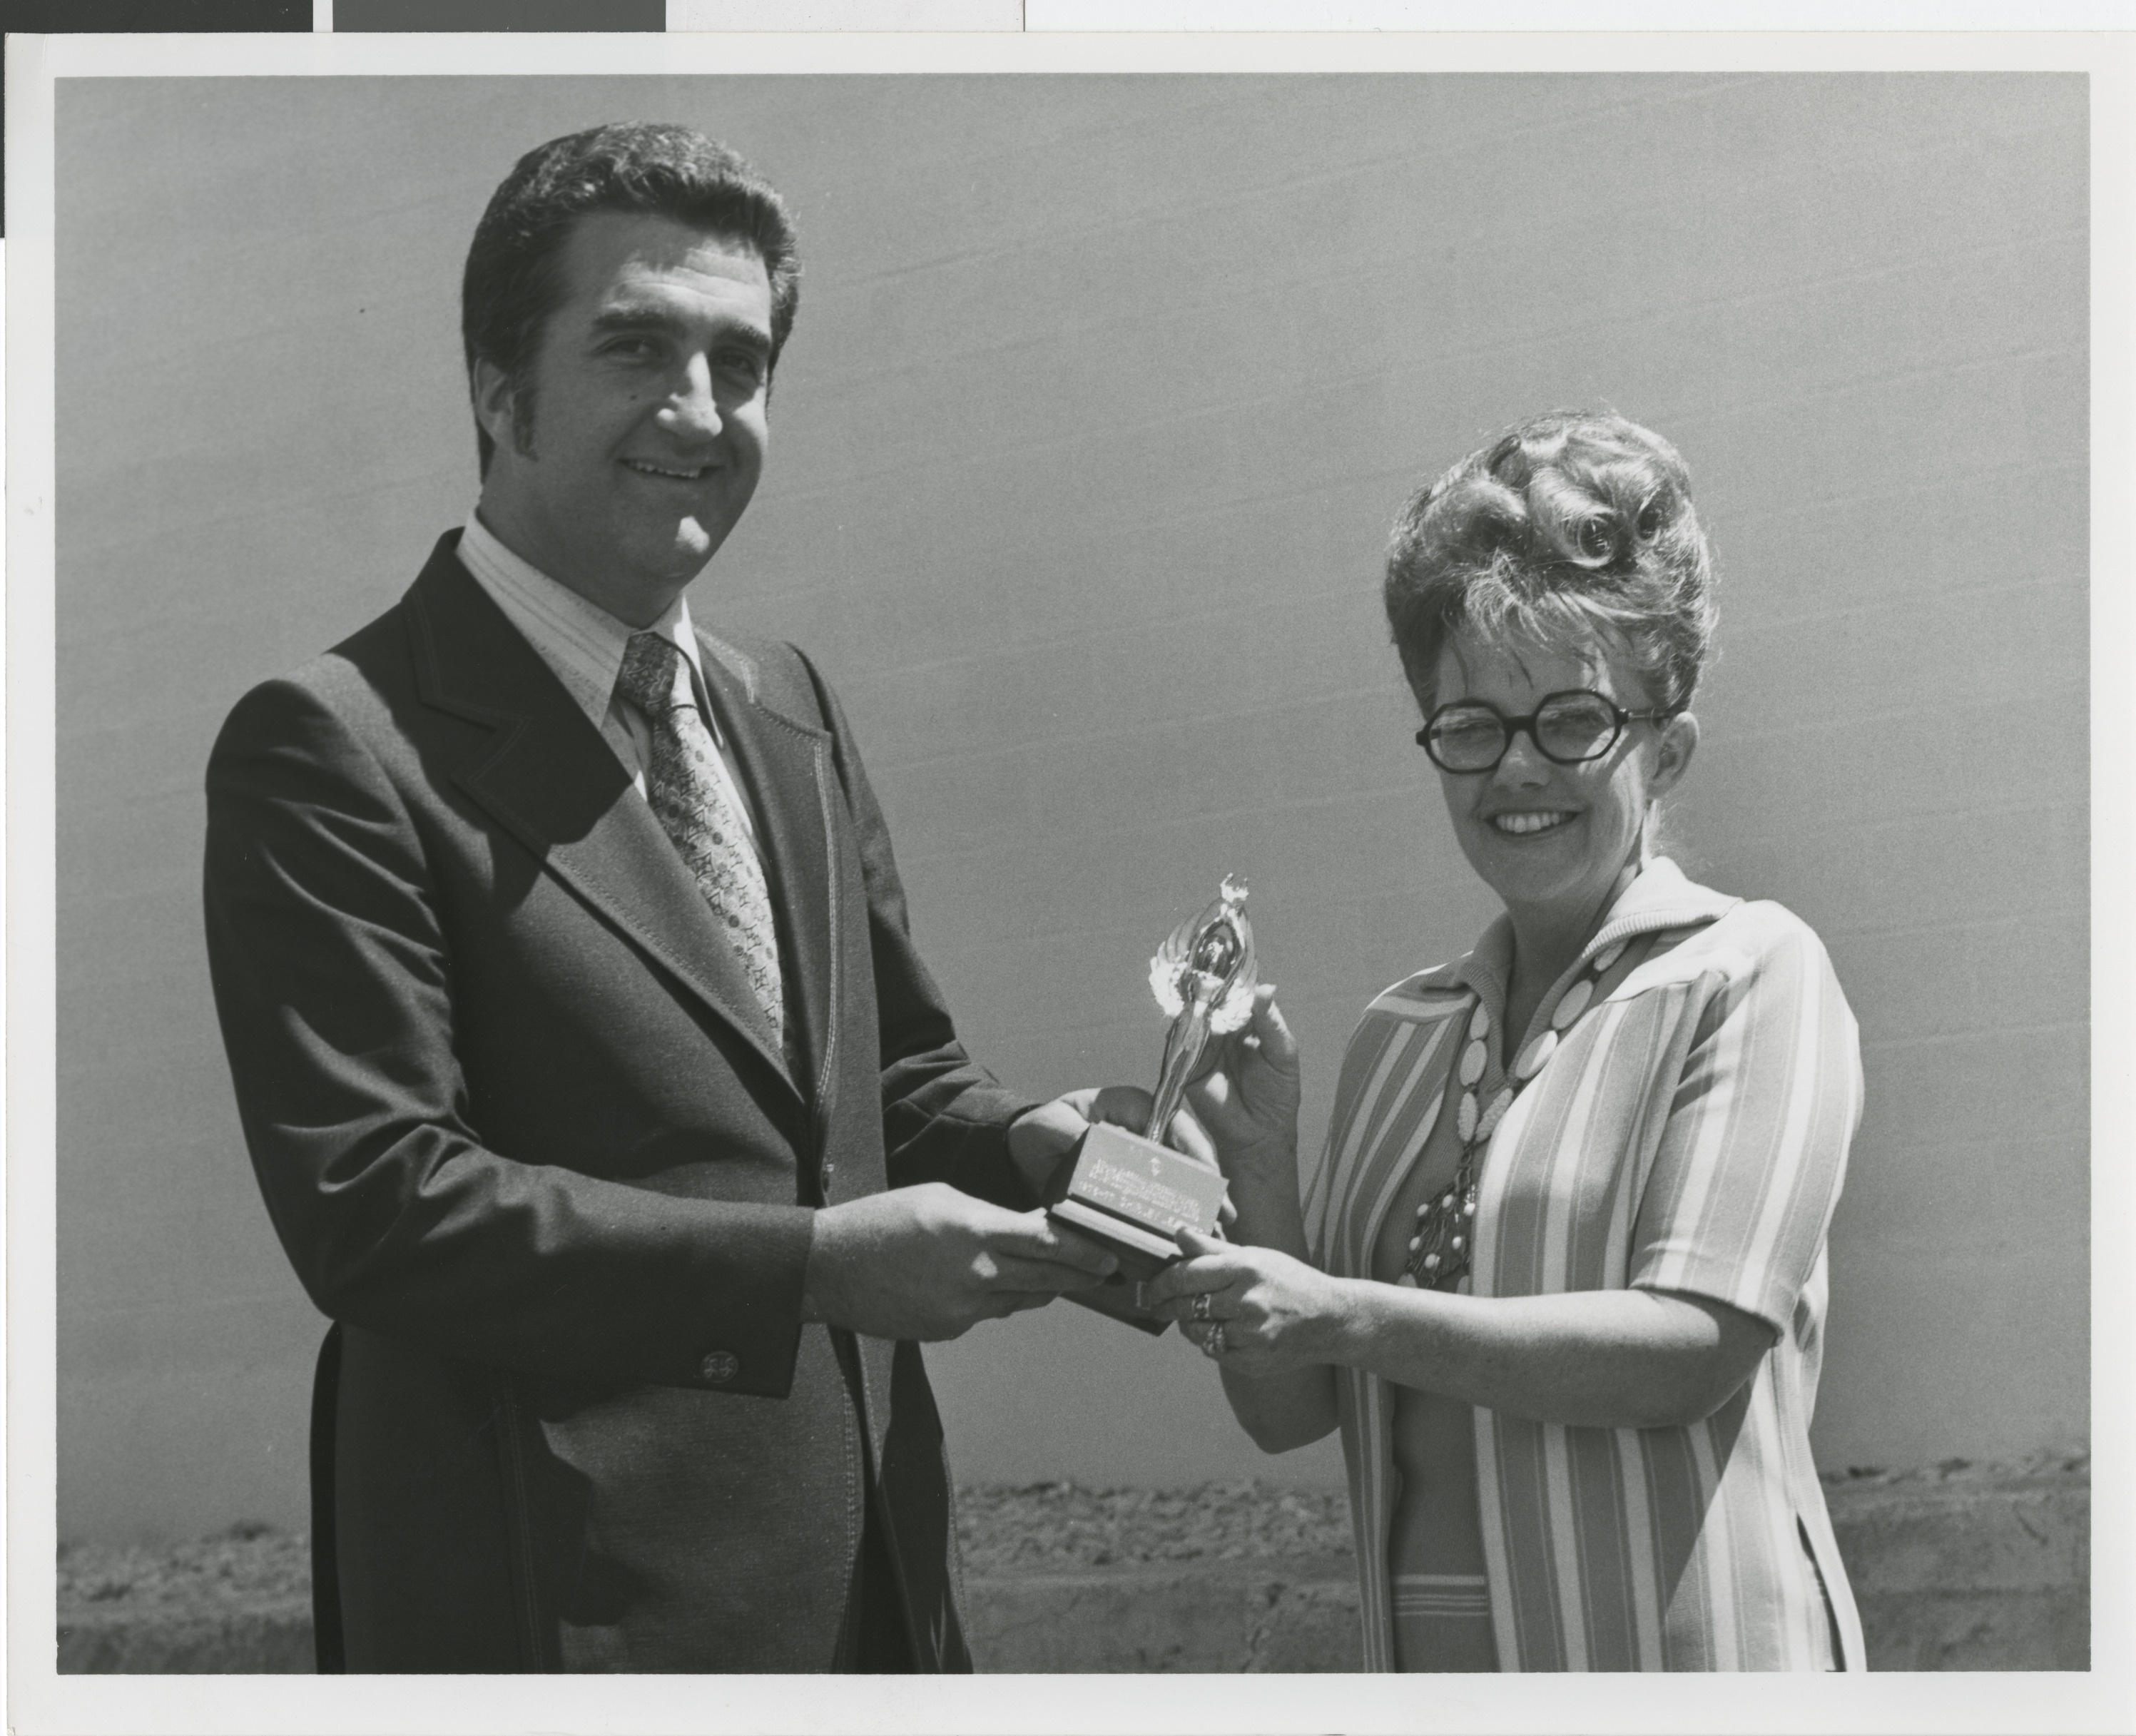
[1569,729]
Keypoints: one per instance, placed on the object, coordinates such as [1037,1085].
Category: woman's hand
[1248,1102]
[1266,1313]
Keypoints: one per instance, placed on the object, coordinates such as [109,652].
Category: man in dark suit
[594,1087]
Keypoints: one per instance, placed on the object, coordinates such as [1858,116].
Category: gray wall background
[1104,393]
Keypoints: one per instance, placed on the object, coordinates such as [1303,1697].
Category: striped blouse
[1689,1135]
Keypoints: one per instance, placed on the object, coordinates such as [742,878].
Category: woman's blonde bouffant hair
[1568,525]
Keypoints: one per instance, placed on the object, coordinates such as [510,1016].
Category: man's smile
[646,467]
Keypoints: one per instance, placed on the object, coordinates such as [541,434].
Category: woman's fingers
[1210,1267]
[1252,1098]
[1278,1046]
[1181,1309]
[1213,1097]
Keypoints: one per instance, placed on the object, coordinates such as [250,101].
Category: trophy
[1130,1191]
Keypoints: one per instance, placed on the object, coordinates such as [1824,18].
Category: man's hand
[1039,1138]
[929,1262]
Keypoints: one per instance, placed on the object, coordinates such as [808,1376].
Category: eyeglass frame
[1512,727]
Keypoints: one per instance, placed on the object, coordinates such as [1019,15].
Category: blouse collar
[1660,896]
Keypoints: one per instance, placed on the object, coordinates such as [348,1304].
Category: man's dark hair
[513,281]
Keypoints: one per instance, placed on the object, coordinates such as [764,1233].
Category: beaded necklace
[1439,1252]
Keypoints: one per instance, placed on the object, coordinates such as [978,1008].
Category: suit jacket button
[721,1367]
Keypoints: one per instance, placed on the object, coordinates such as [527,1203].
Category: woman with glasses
[1560,1276]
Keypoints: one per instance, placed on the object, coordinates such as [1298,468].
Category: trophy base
[1130,1195]
[1142,1255]
[1115,1299]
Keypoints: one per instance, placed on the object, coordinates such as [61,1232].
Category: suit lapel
[785,767]
[548,776]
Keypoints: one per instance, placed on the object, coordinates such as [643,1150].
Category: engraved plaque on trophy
[1128,1190]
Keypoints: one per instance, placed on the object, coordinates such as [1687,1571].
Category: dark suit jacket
[524,1137]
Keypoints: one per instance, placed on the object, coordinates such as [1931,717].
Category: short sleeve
[1754,1152]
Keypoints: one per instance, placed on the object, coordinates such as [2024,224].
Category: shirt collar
[1660,896]
[582,642]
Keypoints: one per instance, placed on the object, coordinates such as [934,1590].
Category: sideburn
[522,418]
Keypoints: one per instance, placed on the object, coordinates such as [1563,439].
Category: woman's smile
[1550,838]
[1527,823]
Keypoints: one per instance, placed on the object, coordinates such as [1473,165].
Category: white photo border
[41,1701]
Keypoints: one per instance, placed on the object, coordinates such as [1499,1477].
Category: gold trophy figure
[1128,1191]
[1204,976]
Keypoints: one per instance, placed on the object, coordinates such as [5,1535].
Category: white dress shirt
[584,644]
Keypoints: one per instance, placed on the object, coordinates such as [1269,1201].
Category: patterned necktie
[691,800]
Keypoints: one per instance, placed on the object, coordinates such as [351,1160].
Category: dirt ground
[1955,1566]
[1049,1527]
[1042,1528]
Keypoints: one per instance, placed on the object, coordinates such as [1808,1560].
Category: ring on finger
[1202,1305]
[1212,1346]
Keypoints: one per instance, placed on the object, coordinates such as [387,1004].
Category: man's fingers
[1186,1135]
[1034,1236]
[1047,1133]
[1124,1105]
[1054,1127]
[1043,1277]
[1030,1235]
[1007,1302]
[1128,1106]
